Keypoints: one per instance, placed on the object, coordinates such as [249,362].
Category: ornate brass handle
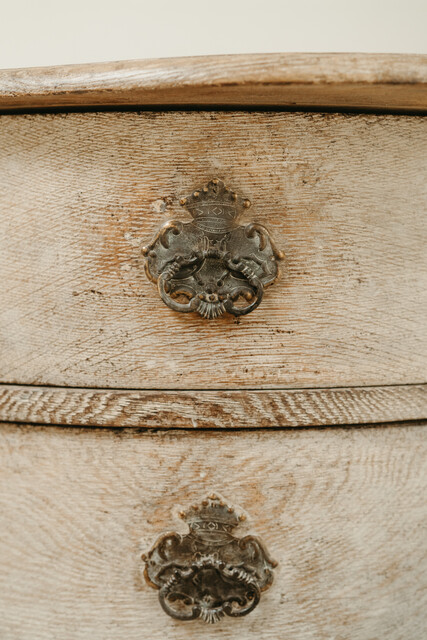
[209,573]
[212,264]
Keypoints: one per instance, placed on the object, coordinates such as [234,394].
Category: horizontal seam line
[198,430]
[213,390]
[200,107]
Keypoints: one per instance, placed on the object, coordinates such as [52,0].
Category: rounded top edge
[333,80]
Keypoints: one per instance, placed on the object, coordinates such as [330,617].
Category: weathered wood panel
[349,80]
[342,510]
[344,196]
[212,409]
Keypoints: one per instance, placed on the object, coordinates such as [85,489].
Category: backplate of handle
[212,264]
[209,573]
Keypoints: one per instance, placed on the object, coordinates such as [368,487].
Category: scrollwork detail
[209,573]
[213,260]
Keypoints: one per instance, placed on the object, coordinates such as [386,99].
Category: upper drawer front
[343,196]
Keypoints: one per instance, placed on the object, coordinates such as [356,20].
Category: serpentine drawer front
[342,511]
[343,196]
[235,244]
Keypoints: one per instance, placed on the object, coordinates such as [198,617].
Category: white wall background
[47,32]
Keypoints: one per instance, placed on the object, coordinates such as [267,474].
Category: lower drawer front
[343,511]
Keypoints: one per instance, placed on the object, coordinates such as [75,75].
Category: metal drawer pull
[209,573]
[212,265]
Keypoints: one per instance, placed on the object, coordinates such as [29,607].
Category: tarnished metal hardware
[212,264]
[209,573]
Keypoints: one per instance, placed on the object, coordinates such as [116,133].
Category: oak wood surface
[343,511]
[196,409]
[350,80]
[344,196]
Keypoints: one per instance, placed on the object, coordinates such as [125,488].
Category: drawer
[342,511]
[343,195]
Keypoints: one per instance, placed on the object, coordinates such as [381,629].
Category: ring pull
[212,262]
[209,573]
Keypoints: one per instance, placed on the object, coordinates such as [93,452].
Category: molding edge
[217,409]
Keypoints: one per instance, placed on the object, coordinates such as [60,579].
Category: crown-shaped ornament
[215,208]
[212,514]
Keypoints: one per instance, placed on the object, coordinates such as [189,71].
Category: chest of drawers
[305,416]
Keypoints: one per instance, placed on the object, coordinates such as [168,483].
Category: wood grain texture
[344,196]
[342,510]
[358,81]
[212,409]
